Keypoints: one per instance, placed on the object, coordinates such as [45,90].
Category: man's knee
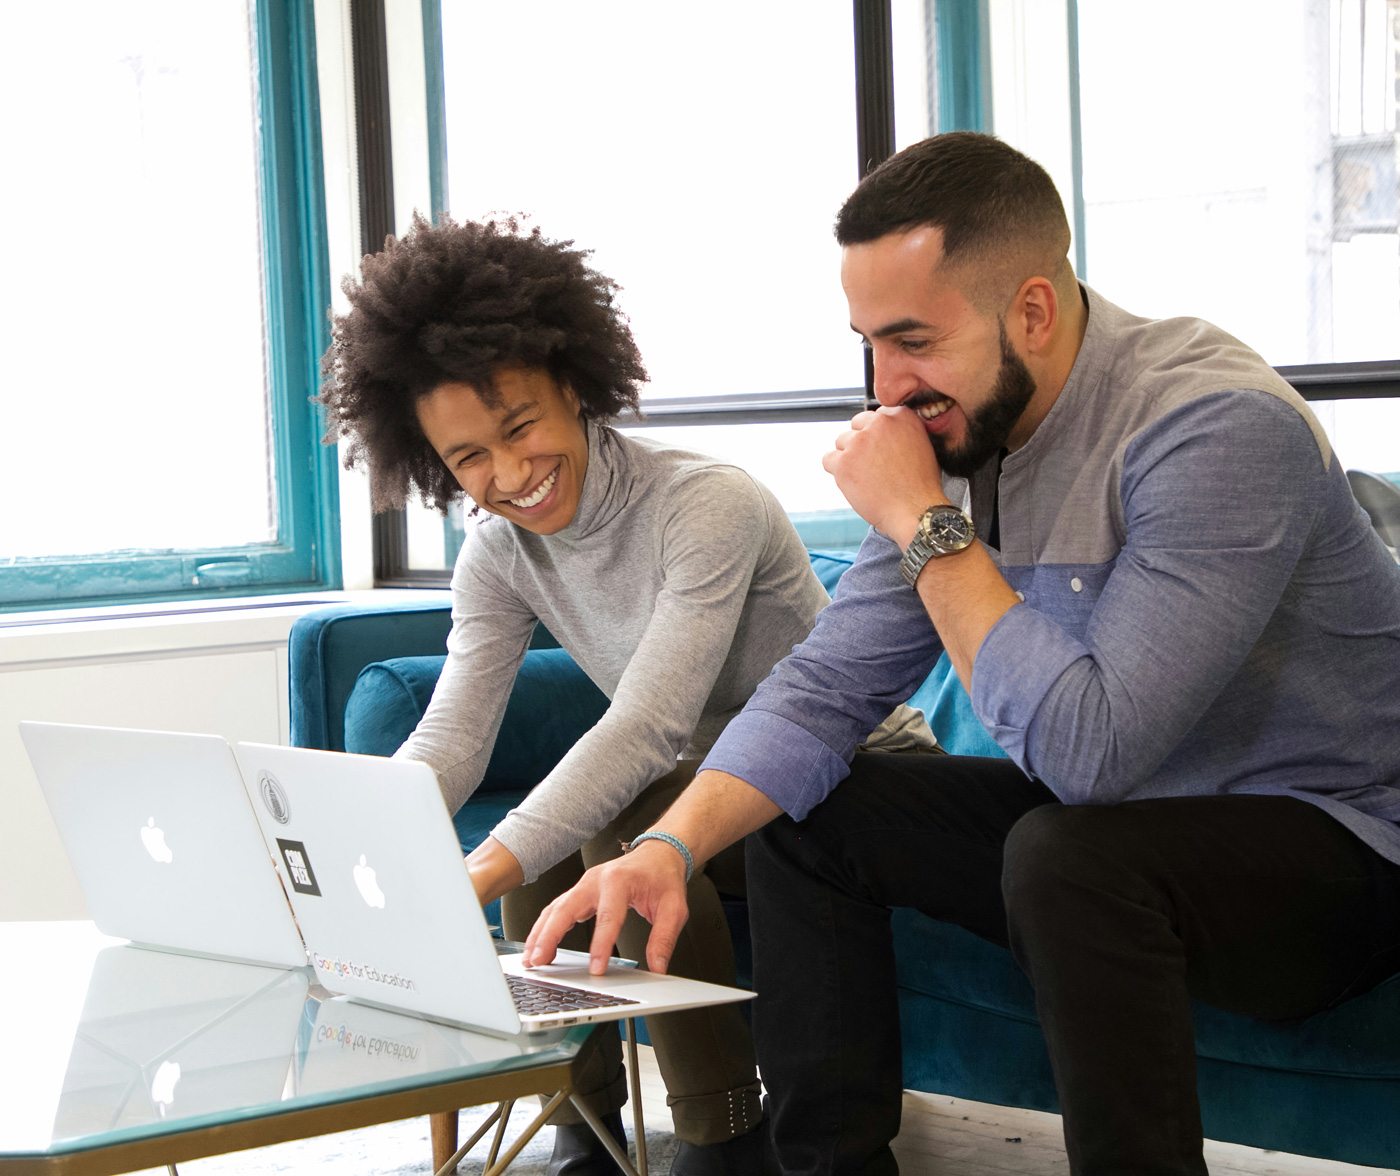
[1063,861]
[1031,855]
[1054,852]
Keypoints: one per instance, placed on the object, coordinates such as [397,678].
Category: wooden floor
[950,1137]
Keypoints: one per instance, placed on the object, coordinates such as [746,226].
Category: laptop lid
[163,841]
[374,872]
[376,876]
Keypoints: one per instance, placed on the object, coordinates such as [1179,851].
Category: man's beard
[990,426]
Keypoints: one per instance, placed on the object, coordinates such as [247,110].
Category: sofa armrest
[329,647]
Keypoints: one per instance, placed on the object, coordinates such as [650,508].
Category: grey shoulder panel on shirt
[1061,493]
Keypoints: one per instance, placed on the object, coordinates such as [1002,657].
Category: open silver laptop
[163,840]
[375,875]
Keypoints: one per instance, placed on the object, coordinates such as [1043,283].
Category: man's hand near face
[885,466]
[887,470]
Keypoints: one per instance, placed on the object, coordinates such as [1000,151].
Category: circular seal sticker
[274,798]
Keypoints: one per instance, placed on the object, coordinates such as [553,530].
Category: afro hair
[455,303]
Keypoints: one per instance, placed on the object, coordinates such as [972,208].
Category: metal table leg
[529,1133]
[634,1077]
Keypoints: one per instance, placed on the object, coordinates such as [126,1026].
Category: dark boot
[578,1152]
[744,1155]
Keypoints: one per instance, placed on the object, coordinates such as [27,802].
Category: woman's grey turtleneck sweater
[678,585]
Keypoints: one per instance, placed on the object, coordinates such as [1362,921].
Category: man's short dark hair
[455,303]
[988,198]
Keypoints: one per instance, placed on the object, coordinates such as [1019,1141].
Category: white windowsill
[169,628]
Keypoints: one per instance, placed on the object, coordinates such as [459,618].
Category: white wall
[221,673]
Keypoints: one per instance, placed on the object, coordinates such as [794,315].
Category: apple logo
[154,841]
[163,1086]
[368,887]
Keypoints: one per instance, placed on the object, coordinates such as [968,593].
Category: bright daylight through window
[701,154]
[1247,177]
[136,394]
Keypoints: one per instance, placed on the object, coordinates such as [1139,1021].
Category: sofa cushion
[948,711]
[551,705]
[951,964]
[1358,1038]
[329,646]
[830,566]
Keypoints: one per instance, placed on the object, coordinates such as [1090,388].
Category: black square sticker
[298,867]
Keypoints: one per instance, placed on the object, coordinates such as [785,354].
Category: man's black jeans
[1119,914]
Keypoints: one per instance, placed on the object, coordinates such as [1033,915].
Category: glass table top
[108,1043]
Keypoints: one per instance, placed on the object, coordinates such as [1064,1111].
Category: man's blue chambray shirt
[1207,609]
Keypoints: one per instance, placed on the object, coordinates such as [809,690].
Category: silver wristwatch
[943,530]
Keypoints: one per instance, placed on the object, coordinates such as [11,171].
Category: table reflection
[166,1043]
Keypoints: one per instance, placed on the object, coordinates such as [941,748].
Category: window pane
[135,382]
[1364,433]
[1247,176]
[787,458]
[433,541]
[701,152]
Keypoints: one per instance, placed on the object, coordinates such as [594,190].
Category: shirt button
[1020,596]
[1077,584]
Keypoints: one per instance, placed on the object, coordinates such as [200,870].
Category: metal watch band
[923,547]
[918,553]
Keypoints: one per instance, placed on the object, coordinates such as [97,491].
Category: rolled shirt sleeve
[870,650]
[1219,499]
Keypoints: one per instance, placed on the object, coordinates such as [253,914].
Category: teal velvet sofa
[1326,1086]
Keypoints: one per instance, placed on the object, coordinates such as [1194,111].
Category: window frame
[305,556]
[964,104]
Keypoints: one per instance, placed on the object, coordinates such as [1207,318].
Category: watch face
[948,529]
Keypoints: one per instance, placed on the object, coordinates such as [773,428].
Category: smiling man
[1145,563]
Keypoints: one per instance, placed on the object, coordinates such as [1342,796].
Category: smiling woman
[522,456]
[465,305]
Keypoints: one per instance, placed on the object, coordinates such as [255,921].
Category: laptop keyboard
[533,997]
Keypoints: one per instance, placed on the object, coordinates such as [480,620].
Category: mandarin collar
[1091,366]
[608,484]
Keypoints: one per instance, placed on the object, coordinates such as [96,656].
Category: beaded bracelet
[675,842]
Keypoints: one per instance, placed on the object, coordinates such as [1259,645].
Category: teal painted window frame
[964,77]
[437,106]
[964,72]
[306,552]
